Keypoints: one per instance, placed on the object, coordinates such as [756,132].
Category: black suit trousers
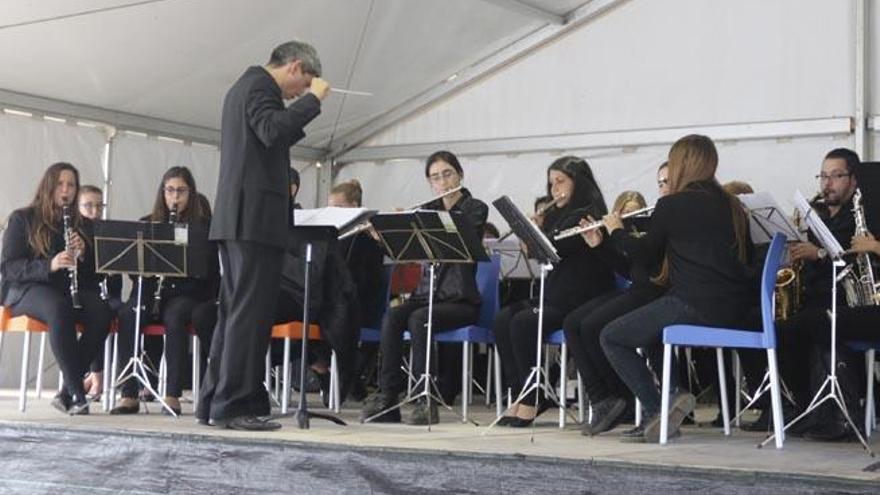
[248,293]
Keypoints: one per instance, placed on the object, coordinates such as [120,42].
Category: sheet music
[767,218]
[820,230]
[329,216]
[514,263]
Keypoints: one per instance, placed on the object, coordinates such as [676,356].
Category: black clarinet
[157,295]
[73,272]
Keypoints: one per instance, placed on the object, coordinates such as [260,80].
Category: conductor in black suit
[251,222]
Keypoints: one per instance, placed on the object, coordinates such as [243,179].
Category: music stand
[310,235]
[834,393]
[766,218]
[140,249]
[433,237]
[540,248]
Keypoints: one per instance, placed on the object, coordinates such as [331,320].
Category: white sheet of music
[331,215]
[820,230]
[766,218]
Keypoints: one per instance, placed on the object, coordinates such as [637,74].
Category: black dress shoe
[247,423]
[123,409]
[505,420]
[62,402]
[517,422]
[79,406]
[606,415]
[834,431]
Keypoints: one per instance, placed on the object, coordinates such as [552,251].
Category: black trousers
[413,316]
[582,329]
[204,319]
[97,364]
[516,336]
[46,303]
[233,384]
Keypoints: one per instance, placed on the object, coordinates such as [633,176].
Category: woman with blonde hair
[700,232]
[628,202]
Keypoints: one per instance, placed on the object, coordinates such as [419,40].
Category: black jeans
[516,336]
[175,314]
[584,325]
[204,318]
[413,316]
[97,364]
[45,303]
[643,328]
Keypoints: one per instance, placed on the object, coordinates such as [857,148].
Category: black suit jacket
[256,134]
[21,268]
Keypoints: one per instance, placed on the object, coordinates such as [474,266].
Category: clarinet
[157,295]
[73,272]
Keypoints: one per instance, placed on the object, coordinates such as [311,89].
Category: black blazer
[21,268]
[253,196]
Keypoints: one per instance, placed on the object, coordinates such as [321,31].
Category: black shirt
[694,228]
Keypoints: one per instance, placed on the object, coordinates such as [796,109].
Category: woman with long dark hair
[35,268]
[174,297]
[699,234]
[581,275]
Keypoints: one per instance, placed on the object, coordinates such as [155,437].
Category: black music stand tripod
[431,237]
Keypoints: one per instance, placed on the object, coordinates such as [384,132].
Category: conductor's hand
[804,251]
[612,222]
[592,237]
[319,88]
[61,260]
[864,244]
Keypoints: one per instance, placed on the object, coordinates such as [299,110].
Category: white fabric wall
[662,64]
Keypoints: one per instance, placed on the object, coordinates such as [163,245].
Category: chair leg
[267,370]
[488,396]
[25,358]
[285,386]
[410,377]
[722,381]
[105,386]
[563,366]
[638,412]
[465,380]
[163,369]
[869,394]
[41,359]
[196,371]
[775,398]
[664,394]
[499,398]
[114,369]
[580,398]
[738,383]
[335,399]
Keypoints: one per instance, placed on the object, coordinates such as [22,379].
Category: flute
[357,229]
[72,272]
[573,231]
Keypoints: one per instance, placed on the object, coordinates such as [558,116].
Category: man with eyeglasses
[801,337]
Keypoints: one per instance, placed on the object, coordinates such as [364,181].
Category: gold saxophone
[788,289]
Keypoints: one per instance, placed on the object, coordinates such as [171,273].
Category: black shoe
[79,406]
[834,431]
[635,434]
[606,415]
[422,415]
[123,409]
[505,420]
[377,403]
[62,402]
[517,422]
[247,423]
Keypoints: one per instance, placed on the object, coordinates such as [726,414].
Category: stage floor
[702,450]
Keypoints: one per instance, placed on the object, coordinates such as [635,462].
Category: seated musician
[46,267]
[166,300]
[456,299]
[701,234]
[580,276]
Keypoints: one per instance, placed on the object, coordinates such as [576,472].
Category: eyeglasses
[662,182]
[179,190]
[92,206]
[446,174]
[829,177]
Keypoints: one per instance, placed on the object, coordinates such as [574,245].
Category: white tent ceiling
[174,59]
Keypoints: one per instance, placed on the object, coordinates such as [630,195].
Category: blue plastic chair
[488,274]
[721,338]
[869,349]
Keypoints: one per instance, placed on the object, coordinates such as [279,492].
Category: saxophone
[73,272]
[859,285]
[155,309]
[788,288]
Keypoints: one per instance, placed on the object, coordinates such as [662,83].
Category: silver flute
[72,272]
[157,295]
[573,231]
[361,227]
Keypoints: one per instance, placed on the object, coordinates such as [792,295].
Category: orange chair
[293,330]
